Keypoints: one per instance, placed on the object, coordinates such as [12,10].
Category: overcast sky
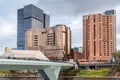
[68,12]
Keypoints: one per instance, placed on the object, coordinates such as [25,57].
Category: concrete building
[99,36]
[76,49]
[55,41]
[29,17]
[76,55]
[79,49]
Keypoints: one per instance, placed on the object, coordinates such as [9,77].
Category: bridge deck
[29,64]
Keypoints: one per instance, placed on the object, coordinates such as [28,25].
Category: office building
[29,17]
[99,36]
[55,41]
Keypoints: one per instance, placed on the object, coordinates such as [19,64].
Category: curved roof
[34,54]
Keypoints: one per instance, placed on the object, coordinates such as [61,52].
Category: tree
[116,56]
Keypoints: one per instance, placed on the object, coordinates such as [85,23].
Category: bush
[71,72]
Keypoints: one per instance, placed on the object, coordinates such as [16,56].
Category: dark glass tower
[29,17]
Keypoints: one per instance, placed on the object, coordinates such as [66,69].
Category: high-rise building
[55,41]
[30,17]
[99,36]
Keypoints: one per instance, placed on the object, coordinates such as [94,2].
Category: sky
[68,12]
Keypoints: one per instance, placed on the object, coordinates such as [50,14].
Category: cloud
[7,29]
[7,34]
[75,7]
[75,24]
[117,8]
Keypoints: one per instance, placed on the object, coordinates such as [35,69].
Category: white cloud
[117,8]
[7,29]
[75,24]
[7,42]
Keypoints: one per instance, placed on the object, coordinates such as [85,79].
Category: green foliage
[116,56]
[5,72]
[94,73]
[71,72]
[116,68]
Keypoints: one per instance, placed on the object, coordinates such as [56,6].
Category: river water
[83,78]
[77,78]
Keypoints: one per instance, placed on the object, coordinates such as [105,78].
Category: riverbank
[87,78]
[103,72]
[11,73]
[94,73]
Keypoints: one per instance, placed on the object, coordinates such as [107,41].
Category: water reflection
[83,78]
[24,78]
[61,78]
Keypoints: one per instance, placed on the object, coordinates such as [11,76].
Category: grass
[4,73]
[94,73]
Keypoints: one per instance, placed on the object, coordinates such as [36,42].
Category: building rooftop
[25,54]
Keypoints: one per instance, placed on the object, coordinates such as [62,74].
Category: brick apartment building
[99,36]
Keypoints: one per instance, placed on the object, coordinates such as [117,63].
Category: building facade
[55,41]
[76,49]
[76,56]
[99,36]
[79,49]
[29,17]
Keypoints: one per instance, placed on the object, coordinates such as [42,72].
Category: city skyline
[71,18]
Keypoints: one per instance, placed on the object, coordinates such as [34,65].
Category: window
[100,31]
[44,32]
[35,35]
[100,47]
[99,18]
[94,48]
[94,32]
[94,19]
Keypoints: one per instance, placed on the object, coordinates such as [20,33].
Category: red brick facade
[99,36]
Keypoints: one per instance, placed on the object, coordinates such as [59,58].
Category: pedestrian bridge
[49,70]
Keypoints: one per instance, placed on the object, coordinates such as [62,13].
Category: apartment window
[35,35]
[100,31]
[94,19]
[100,47]
[99,18]
[44,32]
[94,32]
[35,45]
[94,48]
